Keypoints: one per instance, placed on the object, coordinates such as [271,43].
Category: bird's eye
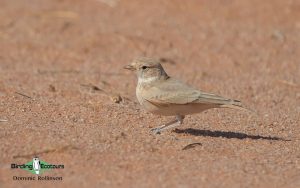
[144,67]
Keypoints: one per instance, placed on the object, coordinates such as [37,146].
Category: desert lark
[161,94]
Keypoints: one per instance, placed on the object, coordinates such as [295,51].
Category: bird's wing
[209,98]
[172,91]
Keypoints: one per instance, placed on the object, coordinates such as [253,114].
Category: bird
[161,94]
[36,165]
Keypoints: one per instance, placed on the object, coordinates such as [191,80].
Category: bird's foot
[172,124]
[157,130]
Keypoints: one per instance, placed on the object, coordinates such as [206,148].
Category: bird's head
[147,69]
[35,159]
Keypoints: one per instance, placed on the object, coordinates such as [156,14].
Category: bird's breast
[140,92]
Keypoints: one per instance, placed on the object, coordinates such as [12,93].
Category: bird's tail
[235,104]
[222,102]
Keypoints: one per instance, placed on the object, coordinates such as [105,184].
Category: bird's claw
[156,130]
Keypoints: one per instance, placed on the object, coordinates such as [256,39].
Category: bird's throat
[147,80]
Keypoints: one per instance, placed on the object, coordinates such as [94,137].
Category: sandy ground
[61,79]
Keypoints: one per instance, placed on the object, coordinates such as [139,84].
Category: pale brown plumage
[160,94]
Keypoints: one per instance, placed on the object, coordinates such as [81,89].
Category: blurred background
[65,96]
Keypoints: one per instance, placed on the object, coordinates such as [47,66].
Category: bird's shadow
[226,134]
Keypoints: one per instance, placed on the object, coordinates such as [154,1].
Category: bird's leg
[178,121]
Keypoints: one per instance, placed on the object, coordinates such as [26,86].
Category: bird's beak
[129,67]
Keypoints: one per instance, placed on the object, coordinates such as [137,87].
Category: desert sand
[65,97]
